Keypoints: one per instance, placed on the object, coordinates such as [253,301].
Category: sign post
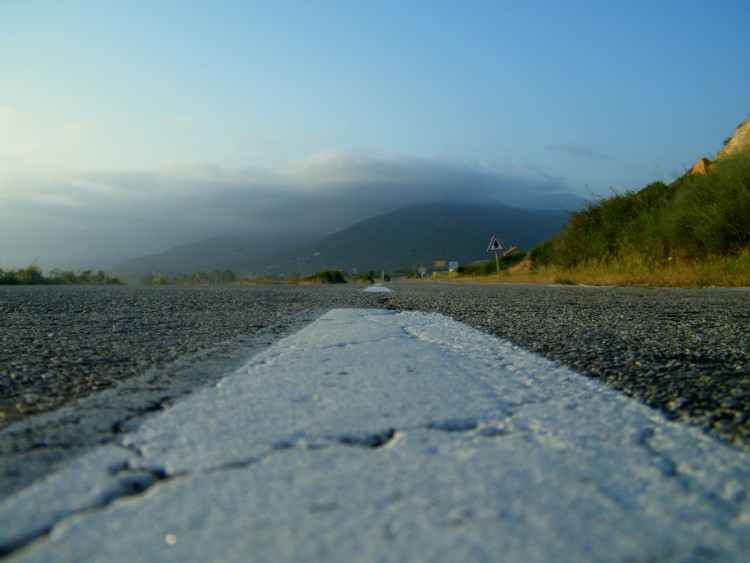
[496,246]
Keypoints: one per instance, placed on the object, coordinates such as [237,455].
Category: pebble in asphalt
[686,352]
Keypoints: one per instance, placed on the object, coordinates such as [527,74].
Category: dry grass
[633,271]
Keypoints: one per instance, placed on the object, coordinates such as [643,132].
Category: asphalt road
[124,352]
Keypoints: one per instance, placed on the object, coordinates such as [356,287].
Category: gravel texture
[62,343]
[80,364]
[686,352]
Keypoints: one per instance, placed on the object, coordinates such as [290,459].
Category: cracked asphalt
[78,365]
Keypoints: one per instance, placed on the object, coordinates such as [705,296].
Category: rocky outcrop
[737,143]
[701,166]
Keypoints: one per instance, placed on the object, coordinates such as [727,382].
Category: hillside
[400,240]
[701,216]
[221,252]
[419,235]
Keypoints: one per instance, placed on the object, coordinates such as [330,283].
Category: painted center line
[375,435]
[377,288]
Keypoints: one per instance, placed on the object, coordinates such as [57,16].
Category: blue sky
[129,127]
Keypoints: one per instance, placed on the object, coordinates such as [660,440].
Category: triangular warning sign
[496,245]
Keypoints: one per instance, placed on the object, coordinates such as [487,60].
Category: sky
[127,128]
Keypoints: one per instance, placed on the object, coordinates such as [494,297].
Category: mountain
[418,235]
[220,252]
[411,236]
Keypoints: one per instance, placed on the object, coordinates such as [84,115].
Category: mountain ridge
[420,234]
[408,237]
[218,252]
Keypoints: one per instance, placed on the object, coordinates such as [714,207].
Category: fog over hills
[219,252]
[411,236]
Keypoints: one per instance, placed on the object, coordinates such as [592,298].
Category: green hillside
[699,217]
[420,234]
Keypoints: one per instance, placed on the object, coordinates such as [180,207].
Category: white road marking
[373,435]
[377,288]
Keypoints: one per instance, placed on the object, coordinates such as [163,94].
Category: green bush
[8,278]
[327,276]
[544,254]
[697,216]
[368,277]
[711,213]
[87,276]
[32,275]
[598,231]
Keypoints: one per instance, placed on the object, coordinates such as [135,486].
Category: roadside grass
[634,270]
[694,232]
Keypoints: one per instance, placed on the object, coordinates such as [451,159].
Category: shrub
[32,275]
[711,213]
[697,216]
[8,278]
[368,277]
[543,255]
[327,276]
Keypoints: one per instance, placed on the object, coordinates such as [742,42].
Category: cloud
[125,214]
